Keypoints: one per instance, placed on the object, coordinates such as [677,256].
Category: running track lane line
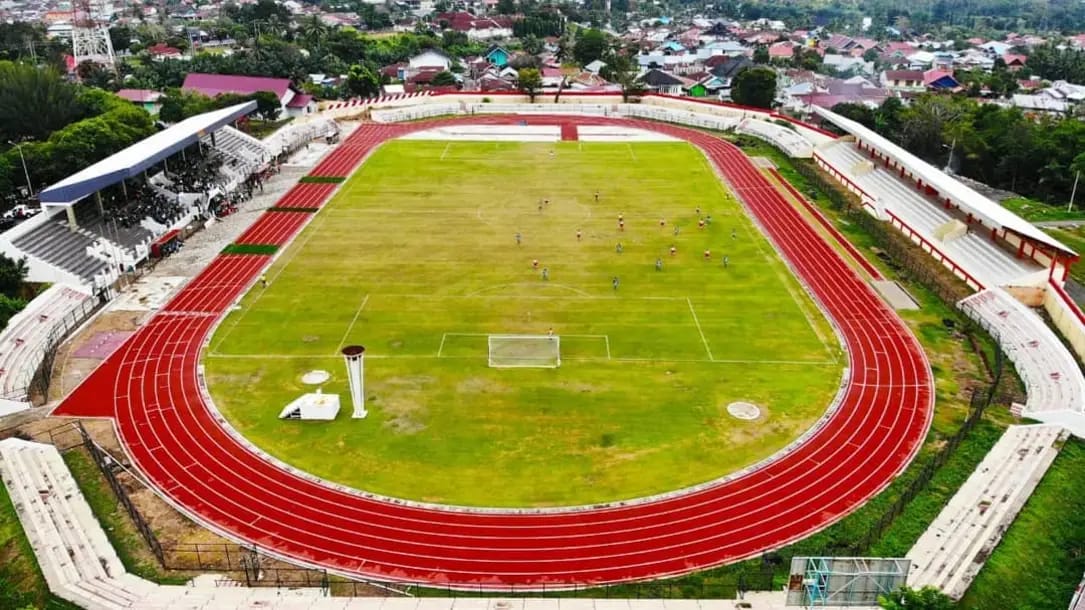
[176,440]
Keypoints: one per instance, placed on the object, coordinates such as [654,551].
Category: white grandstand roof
[141,155]
[990,212]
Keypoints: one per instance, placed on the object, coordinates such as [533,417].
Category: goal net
[520,351]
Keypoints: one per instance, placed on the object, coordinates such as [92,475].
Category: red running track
[151,388]
[307,195]
[275,227]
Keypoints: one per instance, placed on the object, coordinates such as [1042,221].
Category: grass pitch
[416,258]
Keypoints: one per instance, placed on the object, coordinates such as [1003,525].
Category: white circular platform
[744,410]
[316,377]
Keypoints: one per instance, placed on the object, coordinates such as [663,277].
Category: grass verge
[1041,558]
[1038,211]
[290,209]
[321,179]
[118,526]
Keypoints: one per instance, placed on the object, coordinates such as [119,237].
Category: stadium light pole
[1073,191]
[354,356]
[26,173]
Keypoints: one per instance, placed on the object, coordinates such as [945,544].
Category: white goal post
[524,351]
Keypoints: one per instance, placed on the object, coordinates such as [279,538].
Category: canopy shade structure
[989,212]
[141,155]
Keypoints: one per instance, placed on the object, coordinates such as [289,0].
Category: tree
[621,70]
[927,598]
[312,32]
[41,93]
[362,81]
[93,74]
[12,276]
[755,87]
[530,81]
[443,78]
[761,55]
[856,112]
[532,45]
[268,105]
[506,7]
[590,46]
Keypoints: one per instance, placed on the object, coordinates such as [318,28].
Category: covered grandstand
[853,161]
[137,197]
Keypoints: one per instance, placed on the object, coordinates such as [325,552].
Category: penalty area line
[445,151]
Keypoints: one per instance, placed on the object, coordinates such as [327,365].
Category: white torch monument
[354,356]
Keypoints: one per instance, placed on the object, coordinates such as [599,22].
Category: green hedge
[321,180]
[266,249]
[287,208]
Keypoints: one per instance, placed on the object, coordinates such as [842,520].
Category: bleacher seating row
[1053,381]
[974,252]
[785,138]
[239,145]
[296,135]
[81,566]
[954,548]
[27,335]
[55,242]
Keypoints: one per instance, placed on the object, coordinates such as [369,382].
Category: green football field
[416,258]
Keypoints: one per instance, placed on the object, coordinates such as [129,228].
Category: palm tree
[313,31]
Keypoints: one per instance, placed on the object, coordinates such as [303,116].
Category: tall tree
[590,46]
[28,91]
[755,87]
[530,81]
[362,81]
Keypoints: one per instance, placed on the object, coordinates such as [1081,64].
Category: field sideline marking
[445,151]
[631,153]
[355,319]
[571,358]
[698,323]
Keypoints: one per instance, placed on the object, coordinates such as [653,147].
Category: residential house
[940,80]
[162,51]
[144,98]
[294,103]
[1040,104]
[430,59]
[596,66]
[1014,62]
[995,48]
[903,80]
[551,76]
[782,51]
[497,56]
[658,81]
[477,28]
[848,64]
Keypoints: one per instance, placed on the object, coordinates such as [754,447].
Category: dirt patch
[404,416]
[69,371]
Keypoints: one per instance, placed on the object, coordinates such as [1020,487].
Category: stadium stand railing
[293,136]
[950,553]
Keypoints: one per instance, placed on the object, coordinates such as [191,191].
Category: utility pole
[1073,191]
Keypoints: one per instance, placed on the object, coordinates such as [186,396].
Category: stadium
[525,347]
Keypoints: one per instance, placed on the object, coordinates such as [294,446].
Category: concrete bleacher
[24,341]
[954,548]
[238,145]
[973,251]
[1053,380]
[785,138]
[55,242]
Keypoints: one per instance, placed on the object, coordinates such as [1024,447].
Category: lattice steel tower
[90,35]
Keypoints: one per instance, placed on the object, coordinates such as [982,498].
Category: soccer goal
[523,351]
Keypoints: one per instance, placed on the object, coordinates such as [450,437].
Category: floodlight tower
[354,355]
[90,34]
